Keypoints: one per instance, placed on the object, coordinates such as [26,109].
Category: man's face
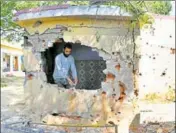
[67,52]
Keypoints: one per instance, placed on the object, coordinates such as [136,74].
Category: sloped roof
[68,10]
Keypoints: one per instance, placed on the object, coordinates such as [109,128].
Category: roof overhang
[98,12]
[16,45]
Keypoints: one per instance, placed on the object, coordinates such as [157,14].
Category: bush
[169,96]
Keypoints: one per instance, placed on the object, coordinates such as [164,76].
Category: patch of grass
[6,81]
[3,85]
[170,95]
[152,96]
[166,97]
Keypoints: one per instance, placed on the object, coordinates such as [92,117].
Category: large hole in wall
[88,63]
[115,66]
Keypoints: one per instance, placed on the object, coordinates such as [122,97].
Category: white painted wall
[156,57]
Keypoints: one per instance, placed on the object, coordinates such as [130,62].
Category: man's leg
[59,83]
[67,86]
[63,83]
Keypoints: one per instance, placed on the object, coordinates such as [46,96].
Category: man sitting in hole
[63,63]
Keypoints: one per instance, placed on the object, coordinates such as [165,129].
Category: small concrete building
[110,60]
[103,48]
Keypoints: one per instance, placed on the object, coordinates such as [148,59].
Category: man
[63,63]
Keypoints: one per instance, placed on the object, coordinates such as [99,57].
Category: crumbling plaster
[114,42]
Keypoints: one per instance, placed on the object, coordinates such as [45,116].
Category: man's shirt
[62,66]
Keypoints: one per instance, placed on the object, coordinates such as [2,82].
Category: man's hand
[70,81]
[76,81]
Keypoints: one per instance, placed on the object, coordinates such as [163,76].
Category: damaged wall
[157,63]
[114,43]
[156,71]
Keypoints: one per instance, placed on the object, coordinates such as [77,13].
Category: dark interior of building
[88,63]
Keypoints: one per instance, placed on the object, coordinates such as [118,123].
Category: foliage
[9,29]
[167,97]
[160,7]
[3,85]
[141,21]
[170,95]
[12,31]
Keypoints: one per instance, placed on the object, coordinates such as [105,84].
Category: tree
[138,9]
[10,30]
[160,7]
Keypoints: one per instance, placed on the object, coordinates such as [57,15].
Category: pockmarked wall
[157,63]
[114,42]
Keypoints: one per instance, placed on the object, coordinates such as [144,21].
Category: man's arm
[73,69]
[58,65]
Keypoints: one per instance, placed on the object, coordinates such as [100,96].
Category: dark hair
[68,45]
[62,39]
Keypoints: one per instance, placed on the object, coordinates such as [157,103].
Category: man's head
[67,49]
[59,40]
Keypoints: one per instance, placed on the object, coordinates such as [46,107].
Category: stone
[159,130]
[50,119]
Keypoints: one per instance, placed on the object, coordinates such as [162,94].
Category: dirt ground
[12,106]
[11,94]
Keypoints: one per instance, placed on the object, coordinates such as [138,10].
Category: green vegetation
[4,82]
[3,85]
[167,97]
[170,95]
[10,80]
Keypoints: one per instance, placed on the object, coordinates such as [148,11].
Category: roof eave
[76,11]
